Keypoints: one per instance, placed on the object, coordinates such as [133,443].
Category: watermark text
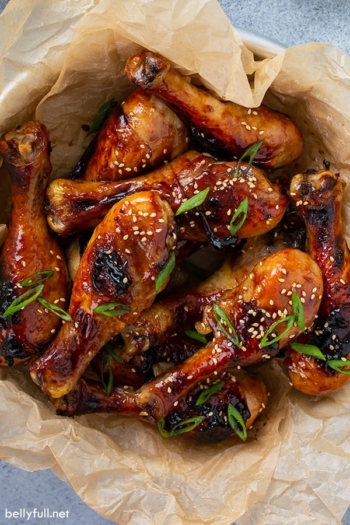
[36,514]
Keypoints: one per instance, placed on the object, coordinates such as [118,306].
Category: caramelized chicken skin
[243,390]
[29,247]
[120,265]
[319,198]
[233,127]
[75,206]
[139,135]
[257,304]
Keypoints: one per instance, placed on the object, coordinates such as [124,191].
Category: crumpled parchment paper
[59,62]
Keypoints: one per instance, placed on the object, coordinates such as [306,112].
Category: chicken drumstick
[233,127]
[30,254]
[116,280]
[319,198]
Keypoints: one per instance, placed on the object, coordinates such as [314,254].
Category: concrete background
[289,22]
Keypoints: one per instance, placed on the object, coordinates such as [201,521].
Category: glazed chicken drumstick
[139,135]
[30,254]
[170,316]
[246,392]
[250,323]
[319,198]
[76,206]
[116,280]
[234,128]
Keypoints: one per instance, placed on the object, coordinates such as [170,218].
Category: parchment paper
[59,62]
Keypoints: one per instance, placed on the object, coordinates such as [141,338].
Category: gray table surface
[289,22]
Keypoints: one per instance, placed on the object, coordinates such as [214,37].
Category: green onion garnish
[109,385]
[109,349]
[242,211]
[193,334]
[311,350]
[181,428]
[208,392]
[23,300]
[101,116]
[251,152]
[165,272]
[314,351]
[336,364]
[298,311]
[112,309]
[267,342]
[37,278]
[298,317]
[221,318]
[193,202]
[236,422]
[55,309]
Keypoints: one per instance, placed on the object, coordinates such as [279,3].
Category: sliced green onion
[109,349]
[208,392]
[242,211]
[109,385]
[181,428]
[112,309]
[298,312]
[336,364]
[267,342]
[37,278]
[195,270]
[251,152]
[101,116]
[165,272]
[221,317]
[55,309]
[236,422]
[23,300]
[311,350]
[193,334]
[193,202]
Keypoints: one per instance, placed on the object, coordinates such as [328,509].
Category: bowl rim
[261,46]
